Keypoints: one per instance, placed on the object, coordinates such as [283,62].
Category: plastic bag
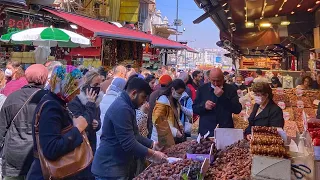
[165,137]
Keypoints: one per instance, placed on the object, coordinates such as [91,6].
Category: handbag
[14,118]
[67,165]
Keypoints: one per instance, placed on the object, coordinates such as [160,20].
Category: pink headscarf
[37,73]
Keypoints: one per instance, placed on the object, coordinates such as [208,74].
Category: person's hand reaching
[158,157]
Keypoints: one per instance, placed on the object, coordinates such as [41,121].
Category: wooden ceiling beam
[206,15]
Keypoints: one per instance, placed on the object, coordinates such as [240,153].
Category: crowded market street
[119,90]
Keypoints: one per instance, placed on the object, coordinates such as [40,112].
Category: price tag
[205,167]
[279,91]
[299,92]
[286,116]
[206,135]
[305,119]
[199,138]
[316,102]
[282,105]
[300,104]
[248,104]
[212,152]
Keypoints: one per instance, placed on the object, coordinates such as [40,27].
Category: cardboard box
[264,167]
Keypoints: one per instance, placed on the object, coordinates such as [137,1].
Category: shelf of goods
[261,62]
[23,57]
[292,111]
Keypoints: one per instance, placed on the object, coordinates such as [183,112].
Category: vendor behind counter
[265,111]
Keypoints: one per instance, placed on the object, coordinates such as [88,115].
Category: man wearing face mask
[238,83]
[215,103]
[265,112]
[120,139]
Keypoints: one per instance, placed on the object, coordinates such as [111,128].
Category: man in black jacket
[215,103]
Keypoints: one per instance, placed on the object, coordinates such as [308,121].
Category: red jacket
[193,92]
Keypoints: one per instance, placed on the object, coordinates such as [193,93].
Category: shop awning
[100,28]
[190,49]
[157,41]
[14,2]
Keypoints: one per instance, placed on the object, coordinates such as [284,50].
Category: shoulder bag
[67,165]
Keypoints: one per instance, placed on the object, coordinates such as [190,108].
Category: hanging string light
[263,9]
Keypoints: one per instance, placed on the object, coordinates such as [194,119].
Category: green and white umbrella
[47,36]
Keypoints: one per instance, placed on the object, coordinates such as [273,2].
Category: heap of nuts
[167,171]
[283,98]
[266,141]
[202,148]
[179,150]
[298,116]
[232,163]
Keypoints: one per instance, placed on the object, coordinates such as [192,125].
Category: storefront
[112,45]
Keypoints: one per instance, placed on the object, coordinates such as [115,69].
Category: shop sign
[299,92]
[282,105]
[16,23]
[300,104]
[286,116]
[279,91]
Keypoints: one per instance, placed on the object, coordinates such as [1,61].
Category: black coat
[17,154]
[53,119]
[227,104]
[270,116]
[80,106]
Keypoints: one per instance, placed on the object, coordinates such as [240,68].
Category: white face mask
[238,84]
[258,99]
[8,73]
[176,95]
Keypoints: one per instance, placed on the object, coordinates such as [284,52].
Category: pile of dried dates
[232,163]
[179,150]
[201,148]
[169,171]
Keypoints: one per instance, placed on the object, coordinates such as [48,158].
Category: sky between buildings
[203,35]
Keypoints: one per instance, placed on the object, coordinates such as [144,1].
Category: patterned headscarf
[65,82]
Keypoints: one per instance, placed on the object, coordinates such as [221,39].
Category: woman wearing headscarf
[15,74]
[16,123]
[54,117]
[113,91]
